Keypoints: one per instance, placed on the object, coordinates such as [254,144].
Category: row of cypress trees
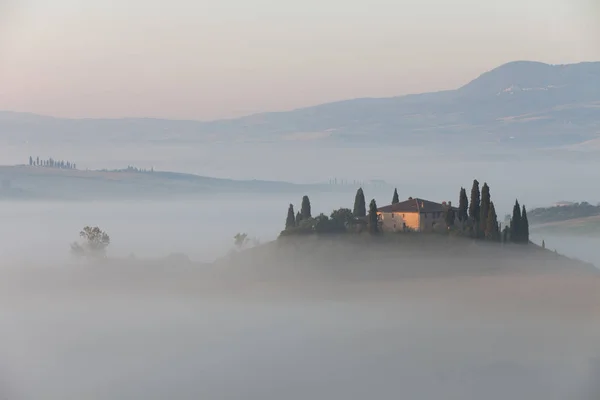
[359,212]
[480,211]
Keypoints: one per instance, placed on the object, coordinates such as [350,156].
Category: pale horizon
[202,61]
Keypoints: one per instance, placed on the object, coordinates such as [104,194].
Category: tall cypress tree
[360,208]
[524,226]
[298,218]
[290,222]
[305,210]
[395,198]
[485,207]
[474,207]
[373,221]
[491,228]
[463,205]
[515,224]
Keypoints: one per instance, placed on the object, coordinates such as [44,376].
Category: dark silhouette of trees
[492,231]
[51,163]
[341,216]
[298,218]
[449,216]
[305,209]
[373,219]
[524,226]
[395,198]
[290,222]
[515,224]
[360,209]
[463,205]
[484,208]
[474,207]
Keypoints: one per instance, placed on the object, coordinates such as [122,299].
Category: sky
[206,59]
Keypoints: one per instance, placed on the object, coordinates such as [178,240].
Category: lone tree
[305,210]
[524,226]
[515,224]
[485,207]
[491,227]
[290,222]
[463,205]
[395,198]
[360,209]
[373,220]
[95,243]
[474,207]
[240,240]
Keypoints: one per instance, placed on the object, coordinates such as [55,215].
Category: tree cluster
[478,216]
[519,225]
[51,163]
[342,220]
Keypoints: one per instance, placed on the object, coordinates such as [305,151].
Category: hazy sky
[207,59]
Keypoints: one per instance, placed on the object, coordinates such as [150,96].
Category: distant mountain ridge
[524,103]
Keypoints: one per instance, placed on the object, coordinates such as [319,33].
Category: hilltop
[525,104]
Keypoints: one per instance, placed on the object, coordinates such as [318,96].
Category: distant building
[413,214]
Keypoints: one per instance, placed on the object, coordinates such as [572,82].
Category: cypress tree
[290,222]
[463,205]
[485,207]
[30,161]
[373,221]
[395,198]
[305,210]
[474,207]
[524,227]
[515,224]
[298,218]
[360,208]
[543,244]
[491,229]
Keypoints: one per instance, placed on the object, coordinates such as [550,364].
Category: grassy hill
[40,183]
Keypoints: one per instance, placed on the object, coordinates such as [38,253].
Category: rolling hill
[39,183]
[523,103]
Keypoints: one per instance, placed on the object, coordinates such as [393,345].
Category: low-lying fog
[177,334]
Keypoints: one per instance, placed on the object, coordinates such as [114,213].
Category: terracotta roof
[414,205]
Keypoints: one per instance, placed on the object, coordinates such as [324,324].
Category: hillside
[391,257]
[529,104]
[32,183]
[576,219]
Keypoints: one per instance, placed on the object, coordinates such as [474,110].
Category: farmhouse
[413,214]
